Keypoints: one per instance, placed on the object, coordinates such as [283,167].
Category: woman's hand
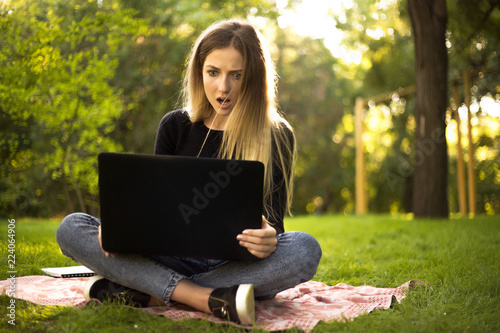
[106,253]
[259,242]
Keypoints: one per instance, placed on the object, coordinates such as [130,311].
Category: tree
[429,18]
[55,78]
[472,42]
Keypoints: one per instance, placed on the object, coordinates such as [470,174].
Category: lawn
[459,259]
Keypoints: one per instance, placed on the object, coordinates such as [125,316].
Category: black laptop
[178,206]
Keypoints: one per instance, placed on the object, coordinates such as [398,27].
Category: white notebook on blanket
[68,272]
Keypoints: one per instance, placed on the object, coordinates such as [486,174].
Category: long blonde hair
[255,129]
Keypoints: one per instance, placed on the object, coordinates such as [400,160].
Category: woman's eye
[212,73]
[237,76]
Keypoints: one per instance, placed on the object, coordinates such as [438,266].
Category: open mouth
[223,101]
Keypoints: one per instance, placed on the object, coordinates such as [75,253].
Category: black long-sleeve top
[177,135]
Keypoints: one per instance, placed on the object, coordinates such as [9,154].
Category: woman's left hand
[259,242]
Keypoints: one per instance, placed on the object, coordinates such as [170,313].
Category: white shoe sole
[245,304]
[88,286]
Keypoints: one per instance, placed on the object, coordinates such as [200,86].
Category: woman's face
[222,72]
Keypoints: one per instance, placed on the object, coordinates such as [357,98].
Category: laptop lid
[178,206]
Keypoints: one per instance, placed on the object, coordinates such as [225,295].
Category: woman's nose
[224,85]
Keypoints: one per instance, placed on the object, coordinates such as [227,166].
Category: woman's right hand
[106,253]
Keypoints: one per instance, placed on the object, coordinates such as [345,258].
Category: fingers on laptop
[259,242]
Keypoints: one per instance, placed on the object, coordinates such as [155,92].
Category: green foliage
[55,83]
[473,34]
[459,259]
[314,109]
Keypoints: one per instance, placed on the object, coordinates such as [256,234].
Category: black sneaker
[104,290]
[235,304]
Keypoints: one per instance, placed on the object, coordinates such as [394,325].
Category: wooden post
[470,165]
[361,202]
[462,197]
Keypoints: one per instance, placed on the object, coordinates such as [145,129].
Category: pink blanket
[301,307]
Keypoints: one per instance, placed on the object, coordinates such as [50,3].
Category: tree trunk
[71,207]
[428,18]
[79,195]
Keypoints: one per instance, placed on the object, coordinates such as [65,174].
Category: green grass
[459,259]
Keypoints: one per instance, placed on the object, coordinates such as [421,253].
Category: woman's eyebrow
[216,68]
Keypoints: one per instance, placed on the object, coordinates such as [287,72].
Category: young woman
[229,112]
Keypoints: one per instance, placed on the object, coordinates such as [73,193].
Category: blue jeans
[295,261]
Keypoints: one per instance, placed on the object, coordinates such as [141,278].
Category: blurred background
[81,77]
